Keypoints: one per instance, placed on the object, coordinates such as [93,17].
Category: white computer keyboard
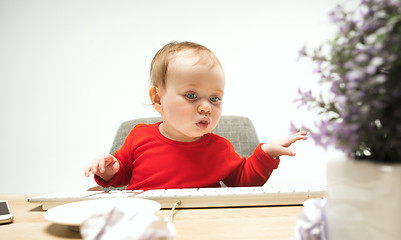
[197,197]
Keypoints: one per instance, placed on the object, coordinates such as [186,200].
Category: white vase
[363,200]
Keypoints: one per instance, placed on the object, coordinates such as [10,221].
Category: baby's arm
[279,147]
[105,167]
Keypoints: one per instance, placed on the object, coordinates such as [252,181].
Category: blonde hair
[160,62]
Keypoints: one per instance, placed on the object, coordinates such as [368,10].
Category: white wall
[72,71]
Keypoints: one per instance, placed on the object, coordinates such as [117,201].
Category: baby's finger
[288,152]
[302,133]
[102,163]
[95,167]
[87,171]
[299,133]
[105,162]
[108,158]
[298,136]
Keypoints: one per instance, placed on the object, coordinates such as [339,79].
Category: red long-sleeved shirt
[148,160]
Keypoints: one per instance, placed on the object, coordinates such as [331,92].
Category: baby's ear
[155,97]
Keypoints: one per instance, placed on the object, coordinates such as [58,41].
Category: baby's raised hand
[279,147]
[105,167]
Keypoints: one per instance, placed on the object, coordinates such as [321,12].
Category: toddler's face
[192,99]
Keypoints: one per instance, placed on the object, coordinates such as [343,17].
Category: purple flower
[360,82]
[354,75]
[301,52]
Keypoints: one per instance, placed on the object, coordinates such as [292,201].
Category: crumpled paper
[116,224]
[312,222]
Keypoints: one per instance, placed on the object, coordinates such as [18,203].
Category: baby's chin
[197,136]
[198,133]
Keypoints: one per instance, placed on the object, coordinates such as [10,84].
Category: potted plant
[359,105]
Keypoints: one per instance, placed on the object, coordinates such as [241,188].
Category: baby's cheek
[216,114]
[182,113]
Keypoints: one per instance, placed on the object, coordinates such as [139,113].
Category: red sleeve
[254,171]
[125,157]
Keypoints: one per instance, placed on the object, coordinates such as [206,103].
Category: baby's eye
[214,99]
[191,96]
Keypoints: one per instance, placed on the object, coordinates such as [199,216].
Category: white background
[72,71]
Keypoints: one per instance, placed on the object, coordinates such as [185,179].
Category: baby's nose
[204,107]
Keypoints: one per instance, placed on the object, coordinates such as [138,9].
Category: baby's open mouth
[204,123]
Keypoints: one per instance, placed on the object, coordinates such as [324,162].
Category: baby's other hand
[105,167]
[279,147]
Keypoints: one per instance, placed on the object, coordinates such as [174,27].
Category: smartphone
[5,213]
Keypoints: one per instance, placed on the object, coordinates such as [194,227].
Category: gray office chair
[238,130]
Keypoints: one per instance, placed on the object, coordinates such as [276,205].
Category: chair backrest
[239,130]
